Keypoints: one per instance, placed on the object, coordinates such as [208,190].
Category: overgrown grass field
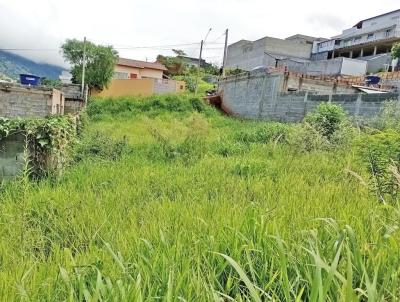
[168,200]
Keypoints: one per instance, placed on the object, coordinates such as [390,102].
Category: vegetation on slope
[12,65]
[169,200]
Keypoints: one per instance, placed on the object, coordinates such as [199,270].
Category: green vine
[49,141]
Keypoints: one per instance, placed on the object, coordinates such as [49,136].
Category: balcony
[373,38]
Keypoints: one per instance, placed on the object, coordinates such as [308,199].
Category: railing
[384,36]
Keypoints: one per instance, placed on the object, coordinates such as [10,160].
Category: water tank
[372,80]
[29,79]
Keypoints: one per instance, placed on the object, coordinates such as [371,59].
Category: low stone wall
[24,101]
[261,97]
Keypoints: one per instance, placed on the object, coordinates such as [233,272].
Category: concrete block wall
[162,86]
[74,102]
[22,101]
[260,97]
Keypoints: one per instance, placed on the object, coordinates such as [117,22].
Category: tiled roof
[141,64]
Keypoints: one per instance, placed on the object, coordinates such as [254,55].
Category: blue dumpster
[29,79]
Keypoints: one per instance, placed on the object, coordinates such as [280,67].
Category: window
[247,49]
[133,76]
[370,36]
[121,75]
[388,32]
[357,39]
[347,42]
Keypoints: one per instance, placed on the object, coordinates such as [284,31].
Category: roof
[186,58]
[141,64]
[392,12]
[305,37]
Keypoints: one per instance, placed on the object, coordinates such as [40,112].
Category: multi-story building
[268,51]
[369,40]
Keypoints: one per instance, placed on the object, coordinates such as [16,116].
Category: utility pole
[83,67]
[225,52]
[198,66]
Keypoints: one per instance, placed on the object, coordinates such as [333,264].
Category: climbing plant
[49,141]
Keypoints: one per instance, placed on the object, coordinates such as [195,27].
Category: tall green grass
[201,208]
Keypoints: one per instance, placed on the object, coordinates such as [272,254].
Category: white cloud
[47,23]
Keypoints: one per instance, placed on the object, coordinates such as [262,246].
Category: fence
[261,97]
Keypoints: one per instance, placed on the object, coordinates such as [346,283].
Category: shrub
[305,137]
[97,145]
[327,119]
[378,152]
[389,116]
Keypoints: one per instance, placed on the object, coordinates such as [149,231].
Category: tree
[179,52]
[100,62]
[175,65]
[396,51]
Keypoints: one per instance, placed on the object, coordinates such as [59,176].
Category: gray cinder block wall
[23,101]
[261,97]
[74,101]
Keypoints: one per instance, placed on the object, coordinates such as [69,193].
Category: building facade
[370,40]
[268,51]
[133,69]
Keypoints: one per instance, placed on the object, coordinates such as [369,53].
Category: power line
[157,47]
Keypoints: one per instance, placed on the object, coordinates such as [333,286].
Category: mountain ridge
[13,65]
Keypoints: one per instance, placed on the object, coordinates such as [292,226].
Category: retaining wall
[260,96]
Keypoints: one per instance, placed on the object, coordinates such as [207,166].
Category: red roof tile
[141,64]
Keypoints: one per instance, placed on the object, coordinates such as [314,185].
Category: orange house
[133,69]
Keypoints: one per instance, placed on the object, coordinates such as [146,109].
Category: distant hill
[12,65]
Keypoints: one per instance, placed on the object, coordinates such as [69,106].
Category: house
[193,62]
[134,69]
[369,40]
[139,78]
[268,51]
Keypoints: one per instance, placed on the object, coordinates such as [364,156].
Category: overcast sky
[45,24]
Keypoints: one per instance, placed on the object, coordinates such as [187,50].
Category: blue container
[372,80]
[29,79]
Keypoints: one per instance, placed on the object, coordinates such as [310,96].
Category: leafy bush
[327,119]
[326,128]
[389,116]
[305,138]
[378,152]
[97,145]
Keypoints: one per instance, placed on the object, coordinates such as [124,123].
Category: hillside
[12,65]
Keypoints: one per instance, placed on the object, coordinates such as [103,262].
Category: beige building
[133,69]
